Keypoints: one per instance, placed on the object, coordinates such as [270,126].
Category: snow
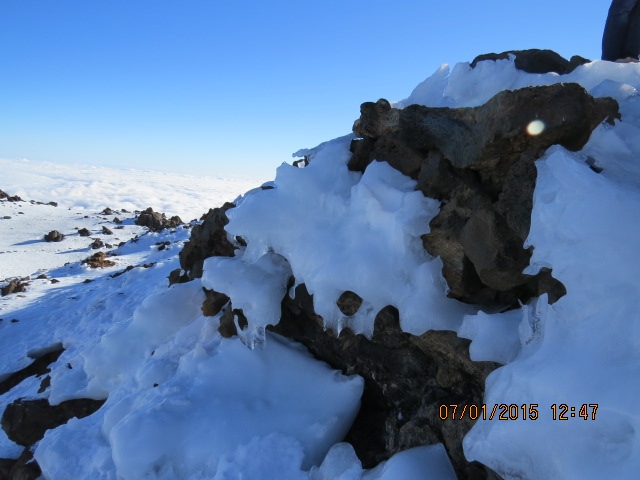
[184,403]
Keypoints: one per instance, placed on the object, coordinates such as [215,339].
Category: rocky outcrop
[480,163]
[536,61]
[25,421]
[16,285]
[54,236]
[157,221]
[407,379]
[209,239]
[10,198]
[99,260]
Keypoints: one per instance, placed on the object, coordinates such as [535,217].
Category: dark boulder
[106,231]
[10,198]
[16,285]
[480,163]
[536,61]
[99,260]
[54,236]
[157,221]
[209,239]
[84,232]
[26,421]
[22,468]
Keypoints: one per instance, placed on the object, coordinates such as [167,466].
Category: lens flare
[535,128]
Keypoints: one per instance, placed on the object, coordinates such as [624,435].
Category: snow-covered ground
[182,402]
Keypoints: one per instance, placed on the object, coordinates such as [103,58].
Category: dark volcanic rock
[22,468]
[157,221]
[25,421]
[407,378]
[54,236]
[536,61]
[14,286]
[479,163]
[39,366]
[106,231]
[97,243]
[9,198]
[208,239]
[83,232]
[99,260]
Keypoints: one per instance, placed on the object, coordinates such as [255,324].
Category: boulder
[16,285]
[157,221]
[536,61]
[480,163]
[208,239]
[54,236]
[26,421]
[99,260]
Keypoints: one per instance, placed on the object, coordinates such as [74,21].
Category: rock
[54,236]
[39,366]
[53,204]
[106,231]
[14,286]
[22,468]
[107,211]
[97,243]
[99,260]
[480,163]
[42,276]
[26,421]
[117,221]
[536,61]
[156,221]
[9,198]
[407,378]
[83,232]
[207,240]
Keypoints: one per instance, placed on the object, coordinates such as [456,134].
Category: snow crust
[184,403]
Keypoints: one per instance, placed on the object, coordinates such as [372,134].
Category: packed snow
[184,403]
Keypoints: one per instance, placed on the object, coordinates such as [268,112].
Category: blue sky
[235,87]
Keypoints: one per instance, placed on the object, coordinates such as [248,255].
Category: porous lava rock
[99,260]
[25,421]
[535,60]
[54,236]
[157,221]
[208,239]
[10,198]
[16,285]
[480,163]
[407,378]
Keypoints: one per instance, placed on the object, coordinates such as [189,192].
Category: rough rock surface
[22,468]
[54,236]
[157,221]
[10,198]
[480,163]
[99,260]
[16,285]
[208,239]
[536,61]
[407,378]
[25,421]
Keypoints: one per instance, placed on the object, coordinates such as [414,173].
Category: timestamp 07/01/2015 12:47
[526,411]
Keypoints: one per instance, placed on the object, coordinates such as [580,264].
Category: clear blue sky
[235,87]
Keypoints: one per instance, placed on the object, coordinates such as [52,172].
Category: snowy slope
[183,402]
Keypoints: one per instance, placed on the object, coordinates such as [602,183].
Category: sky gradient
[235,87]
